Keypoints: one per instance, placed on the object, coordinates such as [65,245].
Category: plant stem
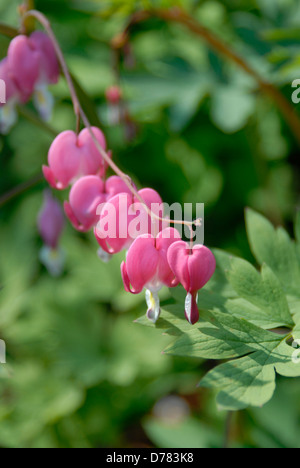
[81,114]
[177,15]
[19,189]
[8,31]
[227,430]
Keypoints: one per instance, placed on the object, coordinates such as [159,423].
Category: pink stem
[79,112]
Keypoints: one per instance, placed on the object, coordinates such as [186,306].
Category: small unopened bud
[113,94]
[114,99]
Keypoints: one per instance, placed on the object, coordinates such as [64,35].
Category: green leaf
[223,337]
[8,31]
[297,227]
[275,248]
[172,322]
[219,281]
[250,380]
[189,433]
[238,309]
[263,291]
[243,382]
[231,108]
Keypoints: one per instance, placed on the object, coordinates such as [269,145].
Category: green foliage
[79,372]
[245,327]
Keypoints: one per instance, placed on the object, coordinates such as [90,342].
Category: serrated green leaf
[245,381]
[250,380]
[243,309]
[297,227]
[222,337]
[261,290]
[219,282]
[171,322]
[275,248]
[238,308]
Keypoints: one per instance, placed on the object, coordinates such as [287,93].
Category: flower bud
[73,156]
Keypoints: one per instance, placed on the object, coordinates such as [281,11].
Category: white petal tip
[104,256]
[153,304]
[53,260]
[44,102]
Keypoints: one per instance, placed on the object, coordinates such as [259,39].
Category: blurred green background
[79,372]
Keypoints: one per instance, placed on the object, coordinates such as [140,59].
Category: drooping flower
[48,63]
[124,218]
[24,64]
[71,157]
[11,86]
[50,225]
[113,94]
[193,268]
[114,112]
[147,267]
[33,63]
[87,196]
[51,220]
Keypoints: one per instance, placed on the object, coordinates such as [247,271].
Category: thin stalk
[80,113]
[19,189]
[177,15]
[31,117]
[227,429]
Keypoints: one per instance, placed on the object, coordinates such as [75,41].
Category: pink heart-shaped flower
[71,157]
[87,196]
[24,65]
[124,218]
[11,87]
[193,267]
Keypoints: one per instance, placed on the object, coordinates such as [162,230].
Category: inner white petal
[188,306]
[53,260]
[104,256]
[8,116]
[43,101]
[153,304]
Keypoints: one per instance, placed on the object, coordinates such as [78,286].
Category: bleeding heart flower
[33,63]
[115,110]
[147,267]
[32,60]
[11,86]
[48,63]
[124,218]
[113,94]
[50,225]
[51,220]
[24,64]
[193,268]
[71,157]
[86,195]
[48,74]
